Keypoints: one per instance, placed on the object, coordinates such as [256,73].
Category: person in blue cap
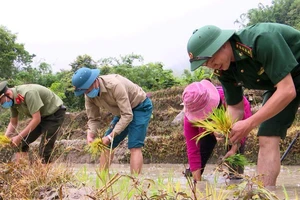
[126,101]
[264,56]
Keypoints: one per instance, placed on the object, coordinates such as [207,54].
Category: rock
[178,119]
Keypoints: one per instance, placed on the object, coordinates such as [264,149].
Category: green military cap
[3,88]
[205,42]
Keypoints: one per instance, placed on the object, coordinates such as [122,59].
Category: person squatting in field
[199,100]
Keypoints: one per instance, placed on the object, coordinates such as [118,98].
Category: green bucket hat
[205,42]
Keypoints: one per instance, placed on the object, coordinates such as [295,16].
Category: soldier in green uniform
[264,56]
[46,111]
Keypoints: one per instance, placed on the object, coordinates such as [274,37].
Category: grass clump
[96,147]
[23,181]
[219,121]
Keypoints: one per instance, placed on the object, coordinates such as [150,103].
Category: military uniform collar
[240,50]
[17,96]
[14,91]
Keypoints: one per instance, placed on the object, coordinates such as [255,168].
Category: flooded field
[289,176]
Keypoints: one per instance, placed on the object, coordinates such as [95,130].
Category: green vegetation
[280,11]
[237,160]
[24,181]
[39,181]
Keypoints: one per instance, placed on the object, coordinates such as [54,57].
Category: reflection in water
[289,176]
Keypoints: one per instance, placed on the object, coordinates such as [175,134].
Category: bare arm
[11,128]
[283,95]
[36,119]
[237,113]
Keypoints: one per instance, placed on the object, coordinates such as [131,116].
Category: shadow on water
[289,176]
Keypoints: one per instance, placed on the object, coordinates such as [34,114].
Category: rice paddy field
[74,174]
[158,181]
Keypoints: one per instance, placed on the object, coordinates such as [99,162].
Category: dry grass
[28,181]
[25,181]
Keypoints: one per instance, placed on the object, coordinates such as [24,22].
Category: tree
[150,76]
[45,68]
[294,18]
[127,60]
[281,11]
[64,89]
[12,54]
[281,8]
[83,61]
[197,75]
[40,75]
[261,14]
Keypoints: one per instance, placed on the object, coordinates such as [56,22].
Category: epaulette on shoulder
[244,48]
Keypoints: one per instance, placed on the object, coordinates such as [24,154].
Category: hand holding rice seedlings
[4,141]
[96,147]
[219,121]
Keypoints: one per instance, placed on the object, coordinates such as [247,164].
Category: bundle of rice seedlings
[4,141]
[237,160]
[219,121]
[96,147]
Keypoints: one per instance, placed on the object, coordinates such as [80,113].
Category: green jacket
[264,54]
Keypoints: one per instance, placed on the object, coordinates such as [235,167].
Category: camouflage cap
[3,88]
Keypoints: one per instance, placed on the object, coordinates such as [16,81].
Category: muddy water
[289,176]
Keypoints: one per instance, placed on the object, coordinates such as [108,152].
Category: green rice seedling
[286,196]
[219,121]
[96,147]
[237,160]
[83,176]
[4,141]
